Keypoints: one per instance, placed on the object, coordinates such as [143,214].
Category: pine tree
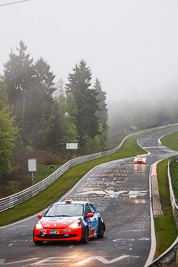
[30,89]
[68,119]
[41,113]
[85,98]
[18,75]
[102,112]
[71,119]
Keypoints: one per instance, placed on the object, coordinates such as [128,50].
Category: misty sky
[131,46]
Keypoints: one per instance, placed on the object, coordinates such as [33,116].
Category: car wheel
[85,238]
[101,229]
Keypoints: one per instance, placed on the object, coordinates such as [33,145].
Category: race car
[69,220]
[139,159]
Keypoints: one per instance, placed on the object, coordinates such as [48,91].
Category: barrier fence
[172,196]
[170,256]
[20,197]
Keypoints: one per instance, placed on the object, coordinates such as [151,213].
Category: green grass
[174,176]
[171,140]
[166,230]
[64,183]
[44,171]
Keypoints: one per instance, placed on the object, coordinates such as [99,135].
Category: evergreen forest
[37,113]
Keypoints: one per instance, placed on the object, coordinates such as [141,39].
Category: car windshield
[64,211]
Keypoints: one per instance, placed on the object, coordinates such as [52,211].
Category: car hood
[141,158]
[57,222]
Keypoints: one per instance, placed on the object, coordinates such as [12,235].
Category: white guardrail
[172,196]
[170,256]
[20,197]
[9,202]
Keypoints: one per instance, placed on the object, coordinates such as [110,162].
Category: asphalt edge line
[153,234]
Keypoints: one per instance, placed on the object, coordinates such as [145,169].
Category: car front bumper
[57,234]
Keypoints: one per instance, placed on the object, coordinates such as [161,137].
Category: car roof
[72,202]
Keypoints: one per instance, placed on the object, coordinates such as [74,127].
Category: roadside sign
[71,145]
[32,167]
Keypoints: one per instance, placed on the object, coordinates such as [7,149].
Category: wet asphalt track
[120,192]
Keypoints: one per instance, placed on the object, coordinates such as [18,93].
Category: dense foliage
[174,176]
[86,101]
[46,116]
[8,133]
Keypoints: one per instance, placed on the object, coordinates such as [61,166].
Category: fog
[130,46]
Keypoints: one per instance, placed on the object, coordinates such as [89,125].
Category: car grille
[56,236]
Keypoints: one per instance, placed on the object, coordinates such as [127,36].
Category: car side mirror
[89,215]
[39,216]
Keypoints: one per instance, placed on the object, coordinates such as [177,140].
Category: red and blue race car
[69,220]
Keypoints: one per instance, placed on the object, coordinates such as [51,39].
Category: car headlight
[39,226]
[74,225]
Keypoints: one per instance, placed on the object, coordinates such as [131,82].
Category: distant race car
[69,220]
[140,159]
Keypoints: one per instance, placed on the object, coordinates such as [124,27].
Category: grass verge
[44,171]
[166,230]
[65,183]
[171,140]
[174,176]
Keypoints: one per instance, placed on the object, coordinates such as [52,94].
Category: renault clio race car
[139,159]
[69,220]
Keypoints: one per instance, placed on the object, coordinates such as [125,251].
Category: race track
[120,192]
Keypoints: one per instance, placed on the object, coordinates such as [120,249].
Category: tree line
[37,113]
